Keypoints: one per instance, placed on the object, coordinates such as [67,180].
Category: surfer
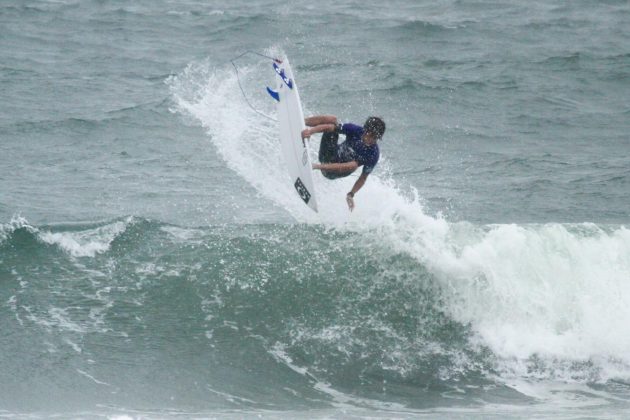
[359,149]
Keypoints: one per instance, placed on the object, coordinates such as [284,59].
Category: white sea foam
[181,235]
[87,375]
[86,243]
[340,399]
[556,293]
[57,319]
[549,300]
[16,222]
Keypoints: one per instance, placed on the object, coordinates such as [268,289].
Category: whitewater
[555,291]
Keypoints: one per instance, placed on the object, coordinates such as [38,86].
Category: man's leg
[328,147]
[328,151]
[320,119]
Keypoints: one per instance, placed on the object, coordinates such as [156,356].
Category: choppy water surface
[155,262]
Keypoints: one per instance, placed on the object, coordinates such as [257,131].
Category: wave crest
[87,242]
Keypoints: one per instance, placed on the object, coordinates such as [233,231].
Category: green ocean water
[156,263]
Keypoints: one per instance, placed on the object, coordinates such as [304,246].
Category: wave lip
[551,298]
[86,243]
[17,222]
[77,243]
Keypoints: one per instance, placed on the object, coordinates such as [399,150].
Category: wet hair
[375,126]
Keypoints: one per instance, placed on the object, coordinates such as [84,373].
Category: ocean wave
[16,72]
[148,107]
[424,28]
[323,66]
[16,223]
[47,125]
[544,292]
[401,297]
[408,86]
[523,293]
[86,124]
[567,61]
[76,241]
[233,22]
[555,23]
[22,11]
[85,243]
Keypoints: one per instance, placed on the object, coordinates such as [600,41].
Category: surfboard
[291,124]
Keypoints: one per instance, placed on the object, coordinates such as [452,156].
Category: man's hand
[306,133]
[350,201]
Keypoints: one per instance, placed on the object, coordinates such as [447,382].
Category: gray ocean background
[155,262]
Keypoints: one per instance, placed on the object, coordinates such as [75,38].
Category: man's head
[374,127]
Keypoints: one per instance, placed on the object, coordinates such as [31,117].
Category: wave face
[416,314]
[525,290]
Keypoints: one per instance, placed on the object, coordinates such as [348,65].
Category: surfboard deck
[291,124]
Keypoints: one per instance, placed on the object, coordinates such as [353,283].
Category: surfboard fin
[273,94]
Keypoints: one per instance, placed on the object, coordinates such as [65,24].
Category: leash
[241,86]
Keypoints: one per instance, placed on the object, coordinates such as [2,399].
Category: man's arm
[355,188]
[337,167]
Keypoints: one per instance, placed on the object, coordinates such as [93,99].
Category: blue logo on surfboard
[283,76]
[273,94]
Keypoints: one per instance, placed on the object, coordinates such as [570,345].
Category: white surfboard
[291,119]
